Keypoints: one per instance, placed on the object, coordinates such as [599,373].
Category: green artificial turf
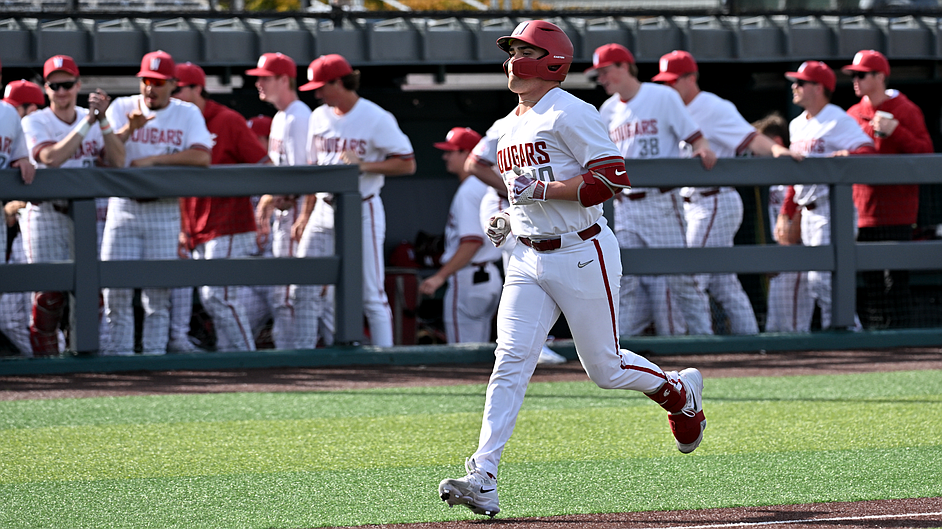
[376,456]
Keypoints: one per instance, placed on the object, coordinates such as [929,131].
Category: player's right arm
[762,145]
[55,154]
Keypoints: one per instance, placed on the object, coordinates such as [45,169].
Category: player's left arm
[398,165]
[702,150]
[194,156]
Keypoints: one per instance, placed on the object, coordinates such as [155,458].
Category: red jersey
[891,205]
[205,218]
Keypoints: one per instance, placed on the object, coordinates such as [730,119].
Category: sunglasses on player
[65,85]
[181,87]
[150,81]
[802,82]
[861,75]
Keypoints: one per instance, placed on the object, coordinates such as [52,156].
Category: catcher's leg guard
[47,312]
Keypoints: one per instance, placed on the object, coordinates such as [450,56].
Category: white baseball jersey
[367,129]
[288,132]
[727,131]
[12,140]
[464,222]
[485,151]
[43,129]
[828,131]
[650,125]
[177,127]
[555,140]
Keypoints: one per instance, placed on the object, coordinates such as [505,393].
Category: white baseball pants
[712,221]
[469,307]
[139,231]
[225,303]
[580,281]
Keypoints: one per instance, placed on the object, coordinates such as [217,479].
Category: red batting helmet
[551,67]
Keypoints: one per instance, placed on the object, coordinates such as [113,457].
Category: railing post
[84,297]
[348,237]
[844,277]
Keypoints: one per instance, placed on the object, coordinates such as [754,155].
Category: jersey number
[649,147]
[544,173]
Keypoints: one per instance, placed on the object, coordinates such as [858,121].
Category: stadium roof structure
[237,41]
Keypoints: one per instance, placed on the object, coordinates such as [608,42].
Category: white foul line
[808,520]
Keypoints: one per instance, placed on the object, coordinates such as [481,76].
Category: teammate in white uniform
[474,282]
[481,164]
[173,133]
[19,99]
[714,214]
[647,120]
[559,166]
[789,307]
[295,306]
[823,129]
[61,135]
[348,129]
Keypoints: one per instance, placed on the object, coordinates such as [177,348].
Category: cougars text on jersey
[522,155]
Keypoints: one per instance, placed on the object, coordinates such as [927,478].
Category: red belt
[547,245]
[708,193]
[368,197]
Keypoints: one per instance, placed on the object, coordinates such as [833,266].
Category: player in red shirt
[886,212]
[221,227]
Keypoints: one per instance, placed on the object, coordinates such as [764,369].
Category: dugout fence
[844,258]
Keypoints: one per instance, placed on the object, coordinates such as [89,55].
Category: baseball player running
[295,307]
[221,227]
[647,120]
[474,281]
[481,164]
[61,135]
[714,214]
[347,129]
[823,129]
[173,132]
[559,166]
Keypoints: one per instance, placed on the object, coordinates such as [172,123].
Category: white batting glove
[525,190]
[498,227]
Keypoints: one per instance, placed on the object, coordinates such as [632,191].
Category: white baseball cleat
[476,491]
[688,425]
[550,357]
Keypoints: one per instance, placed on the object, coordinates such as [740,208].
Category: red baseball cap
[459,139]
[869,61]
[23,92]
[158,65]
[190,74]
[325,69]
[816,72]
[272,64]
[674,65]
[260,125]
[60,63]
[610,54]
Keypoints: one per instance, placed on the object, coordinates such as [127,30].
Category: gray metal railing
[84,276]
[844,257]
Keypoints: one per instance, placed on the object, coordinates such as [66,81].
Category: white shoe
[181,345]
[550,357]
[476,491]
[688,425]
